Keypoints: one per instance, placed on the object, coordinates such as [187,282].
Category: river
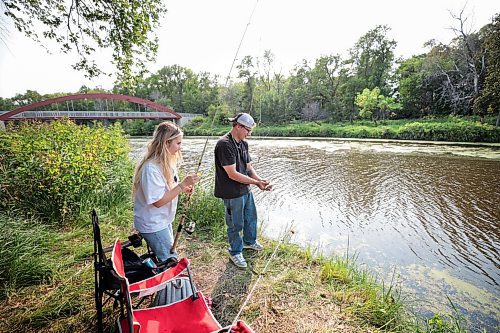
[428,212]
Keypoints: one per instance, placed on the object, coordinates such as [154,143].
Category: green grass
[23,254]
[301,278]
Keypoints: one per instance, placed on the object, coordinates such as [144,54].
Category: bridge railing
[90,115]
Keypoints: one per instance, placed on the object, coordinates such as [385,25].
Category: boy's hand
[262,184]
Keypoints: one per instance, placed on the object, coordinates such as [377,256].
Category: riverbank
[301,291]
[450,129]
[292,295]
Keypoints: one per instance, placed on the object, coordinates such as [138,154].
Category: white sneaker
[255,247]
[238,260]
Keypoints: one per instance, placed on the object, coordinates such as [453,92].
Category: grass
[22,259]
[301,291]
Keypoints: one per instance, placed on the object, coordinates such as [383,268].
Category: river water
[428,212]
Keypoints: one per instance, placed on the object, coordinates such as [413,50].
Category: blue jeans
[241,215]
[161,242]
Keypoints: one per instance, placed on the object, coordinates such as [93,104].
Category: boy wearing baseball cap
[234,174]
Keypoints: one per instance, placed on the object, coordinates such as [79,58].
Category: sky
[204,36]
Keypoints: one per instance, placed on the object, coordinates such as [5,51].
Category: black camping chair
[105,282]
[137,268]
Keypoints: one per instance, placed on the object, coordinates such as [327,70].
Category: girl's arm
[186,184]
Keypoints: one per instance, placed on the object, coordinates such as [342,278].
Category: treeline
[459,78]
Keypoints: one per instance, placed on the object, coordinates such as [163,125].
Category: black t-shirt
[228,152]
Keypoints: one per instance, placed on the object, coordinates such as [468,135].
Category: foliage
[58,170]
[6,104]
[373,57]
[139,127]
[21,255]
[197,121]
[181,89]
[489,100]
[374,105]
[453,129]
[370,299]
[413,93]
[124,27]
[217,114]
[247,72]
[448,79]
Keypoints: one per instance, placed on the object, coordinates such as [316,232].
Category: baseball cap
[244,119]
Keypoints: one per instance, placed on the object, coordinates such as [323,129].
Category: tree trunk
[498,118]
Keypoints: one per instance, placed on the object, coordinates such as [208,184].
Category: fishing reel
[190,227]
[135,240]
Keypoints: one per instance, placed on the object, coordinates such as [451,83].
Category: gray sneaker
[238,260]
[255,247]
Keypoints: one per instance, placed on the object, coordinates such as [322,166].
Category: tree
[374,105]
[415,98]
[471,53]
[325,83]
[372,57]
[29,97]
[181,89]
[82,26]
[268,65]
[489,99]
[247,72]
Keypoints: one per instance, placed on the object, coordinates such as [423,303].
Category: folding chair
[105,282]
[190,314]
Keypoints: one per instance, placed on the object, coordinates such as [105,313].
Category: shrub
[57,170]
[139,127]
[197,121]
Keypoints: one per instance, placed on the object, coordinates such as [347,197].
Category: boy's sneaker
[255,247]
[238,260]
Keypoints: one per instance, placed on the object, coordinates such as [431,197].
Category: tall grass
[207,212]
[381,304]
[370,299]
[24,259]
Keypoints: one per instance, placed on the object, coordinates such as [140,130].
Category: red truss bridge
[152,110]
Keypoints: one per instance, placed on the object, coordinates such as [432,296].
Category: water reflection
[430,211]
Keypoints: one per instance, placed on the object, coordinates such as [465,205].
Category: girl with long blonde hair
[156,189]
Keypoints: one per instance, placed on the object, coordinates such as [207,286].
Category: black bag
[135,270]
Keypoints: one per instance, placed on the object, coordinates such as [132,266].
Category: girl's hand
[188,189]
[189,181]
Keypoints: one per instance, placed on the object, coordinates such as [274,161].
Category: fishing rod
[191,225]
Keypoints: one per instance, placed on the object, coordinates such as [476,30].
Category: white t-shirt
[148,218]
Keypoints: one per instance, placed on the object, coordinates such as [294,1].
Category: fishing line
[188,200]
[227,80]
[261,274]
